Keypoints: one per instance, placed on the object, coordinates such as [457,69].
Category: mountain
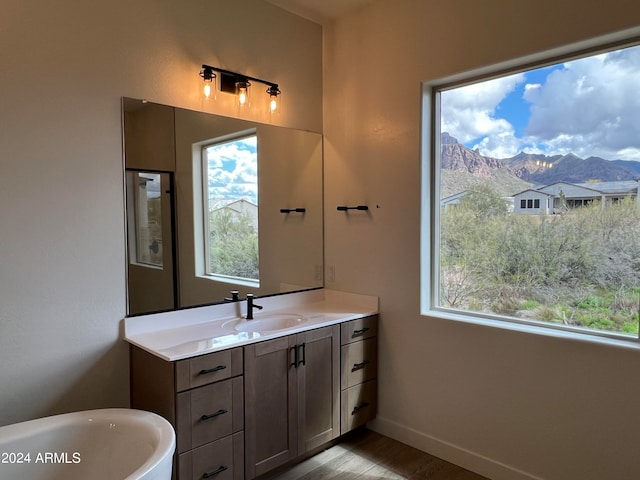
[568,168]
[462,167]
[629,165]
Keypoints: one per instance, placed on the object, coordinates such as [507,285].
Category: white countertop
[195,331]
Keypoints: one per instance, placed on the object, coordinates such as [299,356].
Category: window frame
[430,149]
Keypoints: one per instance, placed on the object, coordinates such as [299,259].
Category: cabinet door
[270,405]
[318,370]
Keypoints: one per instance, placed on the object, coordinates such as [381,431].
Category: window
[146,219]
[570,130]
[230,177]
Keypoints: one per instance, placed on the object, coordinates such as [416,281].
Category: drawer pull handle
[215,472]
[359,407]
[359,366]
[359,333]
[293,352]
[302,360]
[211,370]
[213,415]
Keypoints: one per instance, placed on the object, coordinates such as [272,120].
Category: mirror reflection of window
[230,175]
[148,219]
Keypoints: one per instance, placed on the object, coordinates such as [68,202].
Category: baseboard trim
[447,451]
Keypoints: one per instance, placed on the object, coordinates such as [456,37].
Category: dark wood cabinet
[203,398]
[242,412]
[359,360]
[318,386]
[291,397]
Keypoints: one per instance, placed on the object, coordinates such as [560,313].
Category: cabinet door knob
[360,366]
[211,370]
[215,472]
[358,333]
[213,415]
[359,407]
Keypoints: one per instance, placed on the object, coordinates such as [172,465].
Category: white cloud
[590,107]
[501,145]
[239,182]
[587,107]
[469,113]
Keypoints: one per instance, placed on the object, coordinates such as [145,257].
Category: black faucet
[251,306]
[234,296]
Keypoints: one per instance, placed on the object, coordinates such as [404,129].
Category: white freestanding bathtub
[107,444]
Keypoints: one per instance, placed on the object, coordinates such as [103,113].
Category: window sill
[232,280]
[599,338]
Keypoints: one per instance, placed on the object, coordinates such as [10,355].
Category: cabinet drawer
[219,460]
[208,413]
[205,369]
[359,329]
[358,405]
[359,362]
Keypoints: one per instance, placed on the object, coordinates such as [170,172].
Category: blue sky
[513,107]
[589,106]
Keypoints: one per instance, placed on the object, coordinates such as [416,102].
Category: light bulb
[242,91]
[209,77]
[242,95]
[274,101]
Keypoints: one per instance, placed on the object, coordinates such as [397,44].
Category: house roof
[626,186]
[453,198]
[534,190]
[570,190]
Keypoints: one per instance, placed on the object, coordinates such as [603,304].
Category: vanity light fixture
[274,102]
[242,89]
[238,84]
[208,76]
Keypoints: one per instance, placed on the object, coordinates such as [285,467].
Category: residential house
[559,197]
[241,206]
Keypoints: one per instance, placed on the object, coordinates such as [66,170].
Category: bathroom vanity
[248,396]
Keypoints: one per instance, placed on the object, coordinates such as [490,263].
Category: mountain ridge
[462,167]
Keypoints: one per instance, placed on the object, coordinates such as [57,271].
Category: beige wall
[509,404]
[65,66]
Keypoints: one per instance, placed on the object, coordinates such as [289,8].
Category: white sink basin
[271,323]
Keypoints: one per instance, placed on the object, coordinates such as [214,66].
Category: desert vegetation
[233,244]
[579,268]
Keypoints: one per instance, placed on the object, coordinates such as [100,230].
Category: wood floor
[367,455]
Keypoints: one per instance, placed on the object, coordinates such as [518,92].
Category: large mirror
[216,204]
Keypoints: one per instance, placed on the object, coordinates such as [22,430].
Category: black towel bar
[293,210]
[344,208]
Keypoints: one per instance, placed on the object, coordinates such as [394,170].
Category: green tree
[233,244]
[468,245]
[483,202]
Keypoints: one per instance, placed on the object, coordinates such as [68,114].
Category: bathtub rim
[164,433]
